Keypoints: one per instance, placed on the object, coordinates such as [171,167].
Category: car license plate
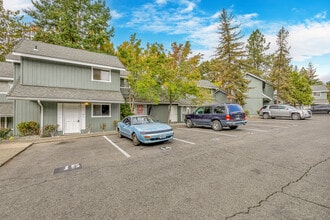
[162,136]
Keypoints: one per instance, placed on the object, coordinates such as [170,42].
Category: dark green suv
[217,116]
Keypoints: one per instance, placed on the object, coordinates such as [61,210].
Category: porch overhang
[58,94]
[266,97]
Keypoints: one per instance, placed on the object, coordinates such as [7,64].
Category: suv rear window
[219,110]
[235,108]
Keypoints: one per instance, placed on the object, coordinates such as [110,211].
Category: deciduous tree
[180,79]
[300,91]
[130,54]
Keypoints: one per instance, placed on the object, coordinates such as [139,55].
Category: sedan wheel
[295,116]
[189,123]
[136,141]
[216,125]
[118,133]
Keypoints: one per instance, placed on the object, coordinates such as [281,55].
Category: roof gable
[44,51]
[319,88]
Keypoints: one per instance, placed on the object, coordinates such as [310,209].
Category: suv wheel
[216,125]
[295,116]
[189,123]
[265,116]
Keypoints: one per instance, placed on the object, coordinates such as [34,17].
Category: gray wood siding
[255,88]
[254,96]
[53,74]
[95,123]
[159,112]
[4,86]
[50,113]
[25,111]
[221,97]
[3,98]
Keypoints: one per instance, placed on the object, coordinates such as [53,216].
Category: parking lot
[267,169]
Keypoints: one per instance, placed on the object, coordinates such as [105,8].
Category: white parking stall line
[116,146]
[209,132]
[188,142]
[257,130]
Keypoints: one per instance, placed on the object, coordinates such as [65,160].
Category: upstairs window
[101,75]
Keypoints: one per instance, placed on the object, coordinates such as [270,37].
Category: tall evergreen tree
[311,75]
[279,75]
[73,23]
[230,56]
[12,29]
[258,62]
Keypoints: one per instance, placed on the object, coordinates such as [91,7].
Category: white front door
[71,118]
[174,113]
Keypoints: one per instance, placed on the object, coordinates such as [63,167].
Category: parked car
[143,129]
[321,109]
[217,116]
[279,110]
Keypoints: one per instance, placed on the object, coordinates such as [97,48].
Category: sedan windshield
[141,120]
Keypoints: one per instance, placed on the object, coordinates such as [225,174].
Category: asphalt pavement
[11,148]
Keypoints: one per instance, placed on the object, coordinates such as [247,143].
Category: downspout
[41,118]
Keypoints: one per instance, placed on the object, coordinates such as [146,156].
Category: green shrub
[4,133]
[28,128]
[50,130]
[125,110]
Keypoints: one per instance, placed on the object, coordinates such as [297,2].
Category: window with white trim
[316,94]
[101,110]
[101,75]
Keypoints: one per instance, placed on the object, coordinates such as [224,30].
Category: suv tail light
[227,117]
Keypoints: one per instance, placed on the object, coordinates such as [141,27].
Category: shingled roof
[44,93]
[40,50]
[6,70]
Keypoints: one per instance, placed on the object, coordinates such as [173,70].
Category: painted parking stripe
[188,142]
[116,146]
[209,132]
[258,130]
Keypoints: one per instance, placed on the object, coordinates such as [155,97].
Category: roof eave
[64,100]
[67,61]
